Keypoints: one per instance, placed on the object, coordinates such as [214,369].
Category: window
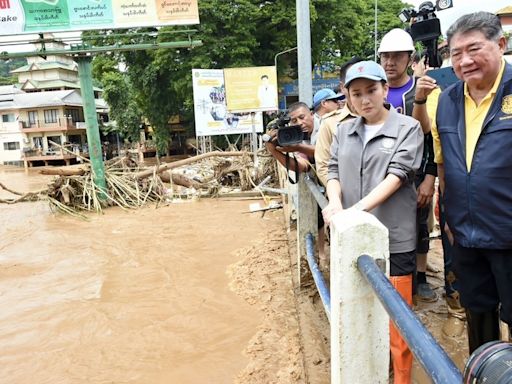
[74,113]
[11,146]
[50,115]
[32,117]
[38,142]
[8,118]
[55,139]
[75,139]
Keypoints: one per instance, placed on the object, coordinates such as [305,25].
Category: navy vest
[478,203]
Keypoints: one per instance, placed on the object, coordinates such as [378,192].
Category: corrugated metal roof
[42,99]
[45,84]
[9,90]
[47,99]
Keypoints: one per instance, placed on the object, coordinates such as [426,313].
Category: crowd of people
[379,147]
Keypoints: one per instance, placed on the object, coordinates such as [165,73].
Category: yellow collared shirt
[474,120]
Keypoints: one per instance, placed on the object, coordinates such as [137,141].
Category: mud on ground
[292,345]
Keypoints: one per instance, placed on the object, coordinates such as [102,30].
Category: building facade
[42,116]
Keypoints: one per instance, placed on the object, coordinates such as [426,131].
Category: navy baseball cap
[365,70]
[325,94]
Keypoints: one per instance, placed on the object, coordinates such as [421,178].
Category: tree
[6,66]
[123,106]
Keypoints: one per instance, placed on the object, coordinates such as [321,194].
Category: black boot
[482,327]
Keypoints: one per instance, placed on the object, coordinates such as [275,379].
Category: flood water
[125,297]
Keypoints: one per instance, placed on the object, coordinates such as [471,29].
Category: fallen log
[180,163]
[179,179]
[63,171]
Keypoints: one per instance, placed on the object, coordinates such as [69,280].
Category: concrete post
[307,222]
[359,323]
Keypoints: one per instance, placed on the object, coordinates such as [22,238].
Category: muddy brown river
[190,292]
[125,297]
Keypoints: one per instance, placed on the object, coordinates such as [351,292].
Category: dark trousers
[485,277]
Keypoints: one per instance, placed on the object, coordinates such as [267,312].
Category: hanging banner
[251,89]
[210,111]
[38,16]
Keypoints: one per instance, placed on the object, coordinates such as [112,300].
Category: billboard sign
[38,16]
[211,113]
[251,89]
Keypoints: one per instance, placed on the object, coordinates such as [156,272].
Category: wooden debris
[129,186]
[64,171]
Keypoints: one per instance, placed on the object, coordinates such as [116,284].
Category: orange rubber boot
[400,352]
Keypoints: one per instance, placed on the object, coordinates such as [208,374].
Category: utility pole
[91,120]
[304,52]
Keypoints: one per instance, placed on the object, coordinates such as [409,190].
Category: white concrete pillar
[359,323]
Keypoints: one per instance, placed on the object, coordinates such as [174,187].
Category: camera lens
[491,363]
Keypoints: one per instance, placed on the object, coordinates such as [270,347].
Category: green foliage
[6,66]
[123,107]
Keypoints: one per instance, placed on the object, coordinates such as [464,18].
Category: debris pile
[131,185]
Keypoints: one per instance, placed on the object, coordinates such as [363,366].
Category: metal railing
[428,352]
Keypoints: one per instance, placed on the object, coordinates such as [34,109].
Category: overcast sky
[462,7]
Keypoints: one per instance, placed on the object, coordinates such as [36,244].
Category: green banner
[45,15]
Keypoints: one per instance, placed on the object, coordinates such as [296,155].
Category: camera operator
[299,114]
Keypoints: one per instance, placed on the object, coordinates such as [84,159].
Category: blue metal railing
[425,348]
[321,285]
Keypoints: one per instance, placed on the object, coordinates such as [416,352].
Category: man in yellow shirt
[473,137]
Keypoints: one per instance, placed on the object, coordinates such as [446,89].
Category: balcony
[33,157]
[60,125]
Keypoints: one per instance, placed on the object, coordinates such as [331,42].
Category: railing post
[307,222]
[359,323]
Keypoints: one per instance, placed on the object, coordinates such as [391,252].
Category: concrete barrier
[359,323]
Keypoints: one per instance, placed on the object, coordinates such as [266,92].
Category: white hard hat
[396,40]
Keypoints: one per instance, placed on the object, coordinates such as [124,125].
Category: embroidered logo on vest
[506,104]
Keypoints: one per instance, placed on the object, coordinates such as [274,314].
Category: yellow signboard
[251,89]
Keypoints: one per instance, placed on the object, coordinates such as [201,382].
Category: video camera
[286,134]
[425,28]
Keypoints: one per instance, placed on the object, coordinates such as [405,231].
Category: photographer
[300,115]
